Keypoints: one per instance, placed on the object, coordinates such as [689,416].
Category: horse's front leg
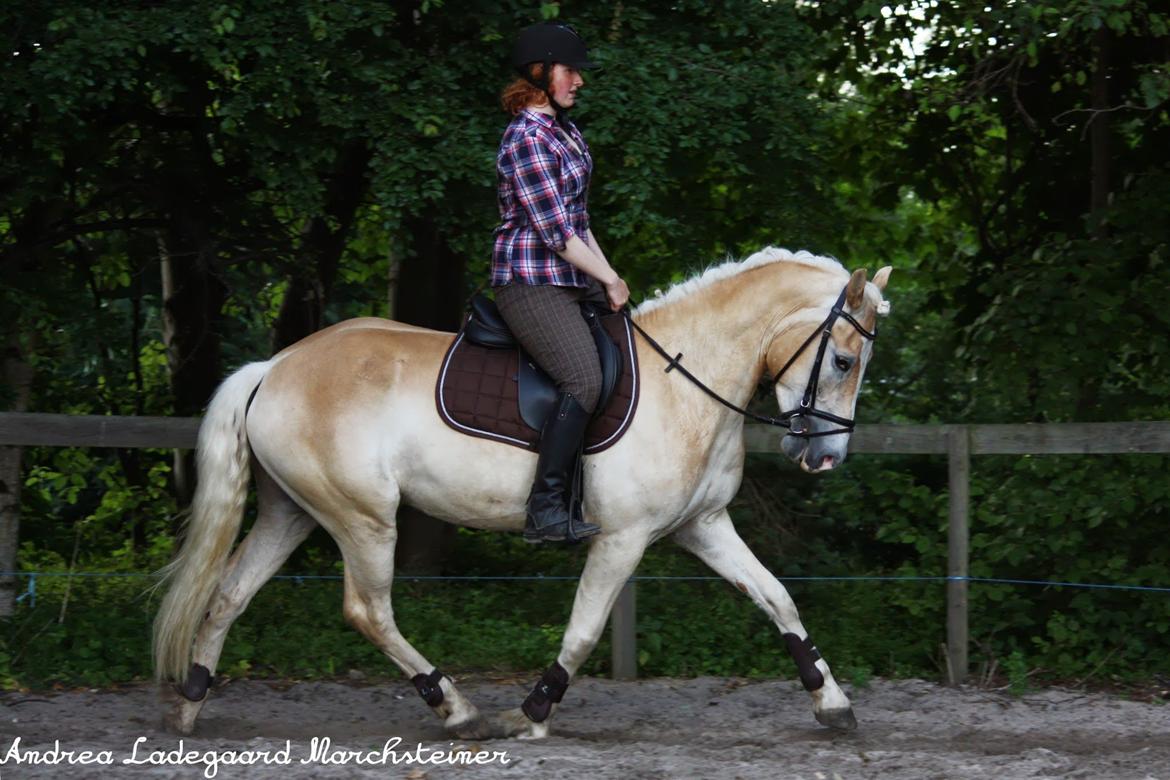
[613,557]
[714,540]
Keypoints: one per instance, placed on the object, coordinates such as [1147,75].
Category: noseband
[794,419]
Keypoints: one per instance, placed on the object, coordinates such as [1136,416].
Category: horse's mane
[731,267]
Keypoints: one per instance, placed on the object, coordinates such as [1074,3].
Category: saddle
[490,388]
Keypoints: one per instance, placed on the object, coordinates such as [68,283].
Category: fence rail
[958,442]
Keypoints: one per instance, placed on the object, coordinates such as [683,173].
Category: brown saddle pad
[478,392]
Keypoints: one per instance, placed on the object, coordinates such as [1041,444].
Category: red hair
[520,93]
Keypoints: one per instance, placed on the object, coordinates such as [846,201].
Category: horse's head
[818,369]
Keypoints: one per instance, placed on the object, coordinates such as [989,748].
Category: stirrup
[566,532]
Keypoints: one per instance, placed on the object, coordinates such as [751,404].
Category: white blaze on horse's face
[841,371]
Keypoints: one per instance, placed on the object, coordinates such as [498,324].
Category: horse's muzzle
[815,455]
[794,447]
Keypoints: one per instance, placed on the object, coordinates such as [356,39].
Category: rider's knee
[586,388]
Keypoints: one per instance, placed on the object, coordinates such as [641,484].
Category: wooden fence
[958,442]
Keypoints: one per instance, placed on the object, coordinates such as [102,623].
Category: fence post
[622,625]
[958,535]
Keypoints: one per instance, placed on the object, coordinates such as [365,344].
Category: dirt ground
[662,728]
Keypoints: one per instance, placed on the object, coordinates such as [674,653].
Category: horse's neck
[724,327]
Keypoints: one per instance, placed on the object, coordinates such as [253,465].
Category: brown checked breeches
[546,320]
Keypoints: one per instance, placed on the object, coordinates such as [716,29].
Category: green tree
[187,185]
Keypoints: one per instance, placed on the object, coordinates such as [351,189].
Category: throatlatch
[198,681]
[428,687]
[806,655]
[549,690]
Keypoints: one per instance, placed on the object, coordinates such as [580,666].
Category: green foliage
[295,629]
[1032,521]
[7,676]
[964,143]
[1038,254]
[1016,669]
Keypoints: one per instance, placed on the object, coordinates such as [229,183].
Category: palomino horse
[341,428]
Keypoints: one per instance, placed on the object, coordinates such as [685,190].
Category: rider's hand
[618,293]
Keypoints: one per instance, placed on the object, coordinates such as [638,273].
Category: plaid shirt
[543,183]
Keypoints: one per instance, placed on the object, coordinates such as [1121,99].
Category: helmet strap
[561,111]
[544,84]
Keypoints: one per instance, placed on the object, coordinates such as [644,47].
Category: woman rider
[545,261]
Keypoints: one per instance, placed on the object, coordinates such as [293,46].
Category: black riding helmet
[548,43]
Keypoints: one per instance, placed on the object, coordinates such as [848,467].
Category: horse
[341,428]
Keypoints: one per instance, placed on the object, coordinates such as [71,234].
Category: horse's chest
[717,480]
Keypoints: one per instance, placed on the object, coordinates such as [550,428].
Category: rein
[792,419]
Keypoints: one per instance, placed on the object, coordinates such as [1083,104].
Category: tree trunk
[131,459]
[428,291]
[181,463]
[17,377]
[193,297]
[192,192]
[1099,134]
[430,280]
[303,309]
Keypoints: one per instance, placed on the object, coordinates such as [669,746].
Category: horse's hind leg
[714,540]
[280,527]
[367,545]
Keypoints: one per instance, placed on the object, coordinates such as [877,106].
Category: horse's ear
[856,289]
[881,277]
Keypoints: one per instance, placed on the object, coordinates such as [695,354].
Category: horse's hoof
[477,727]
[509,723]
[179,722]
[842,720]
[516,724]
[179,714]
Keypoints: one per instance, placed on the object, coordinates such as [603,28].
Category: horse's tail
[211,528]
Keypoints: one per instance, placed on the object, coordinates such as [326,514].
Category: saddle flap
[607,350]
[479,388]
[538,394]
[485,326]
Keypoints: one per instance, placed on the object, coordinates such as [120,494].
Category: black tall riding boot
[548,517]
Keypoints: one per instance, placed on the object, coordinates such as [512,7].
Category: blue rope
[31,592]
[1051,583]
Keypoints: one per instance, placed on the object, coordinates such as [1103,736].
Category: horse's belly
[468,502]
[462,479]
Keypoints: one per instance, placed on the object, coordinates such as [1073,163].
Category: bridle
[793,419]
[808,402]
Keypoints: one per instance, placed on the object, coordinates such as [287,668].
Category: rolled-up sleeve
[538,191]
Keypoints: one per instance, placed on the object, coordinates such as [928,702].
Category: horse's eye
[843,363]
